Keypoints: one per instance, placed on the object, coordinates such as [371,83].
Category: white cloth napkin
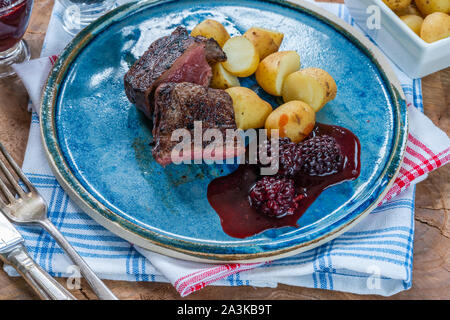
[375,257]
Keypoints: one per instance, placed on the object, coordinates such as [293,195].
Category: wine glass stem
[18,53]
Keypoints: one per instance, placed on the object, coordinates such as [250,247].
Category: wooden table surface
[431,271]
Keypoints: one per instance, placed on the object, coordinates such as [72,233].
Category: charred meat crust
[159,62]
[178,105]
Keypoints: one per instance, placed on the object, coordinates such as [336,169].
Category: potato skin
[250,111]
[294,119]
[414,22]
[211,29]
[265,41]
[326,80]
[427,7]
[222,79]
[435,26]
[242,56]
[274,68]
[411,9]
[314,86]
[397,4]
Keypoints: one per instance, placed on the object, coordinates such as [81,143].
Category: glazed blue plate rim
[201,251]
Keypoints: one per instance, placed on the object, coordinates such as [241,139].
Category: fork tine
[6,192]
[2,204]
[10,178]
[17,170]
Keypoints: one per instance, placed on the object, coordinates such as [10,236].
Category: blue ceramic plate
[97,142]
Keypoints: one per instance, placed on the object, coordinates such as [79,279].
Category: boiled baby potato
[430,6]
[294,119]
[274,69]
[250,111]
[397,4]
[211,29]
[222,79]
[413,22]
[242,57]
[314,86]
[435,26]
[411,9]
[265,41]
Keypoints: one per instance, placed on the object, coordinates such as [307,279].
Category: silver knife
[13,252]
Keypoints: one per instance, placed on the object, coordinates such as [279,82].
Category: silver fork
[28,207]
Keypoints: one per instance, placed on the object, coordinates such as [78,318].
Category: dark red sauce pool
[228,195]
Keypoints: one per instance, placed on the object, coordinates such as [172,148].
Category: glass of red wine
[79,13]
[14,18]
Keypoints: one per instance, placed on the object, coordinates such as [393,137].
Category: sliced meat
[213,51]
[174,58]
[178,106]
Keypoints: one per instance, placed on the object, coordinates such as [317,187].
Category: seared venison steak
[178,105]
[174,58]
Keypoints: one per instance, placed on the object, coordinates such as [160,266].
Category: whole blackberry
[289,156]
[290,160]
[273,196]
[321,156]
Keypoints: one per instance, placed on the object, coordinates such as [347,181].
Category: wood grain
[431,271]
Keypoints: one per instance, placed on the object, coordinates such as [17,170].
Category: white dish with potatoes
[414,34]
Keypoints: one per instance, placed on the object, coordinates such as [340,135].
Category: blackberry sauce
[229,195]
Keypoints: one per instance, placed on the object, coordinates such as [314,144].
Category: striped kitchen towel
[374,257]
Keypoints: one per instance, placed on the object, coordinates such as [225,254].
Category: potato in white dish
[435,26]
[414,22]
[397,4]
[427,7]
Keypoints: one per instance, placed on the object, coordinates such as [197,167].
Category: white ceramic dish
[412,55]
